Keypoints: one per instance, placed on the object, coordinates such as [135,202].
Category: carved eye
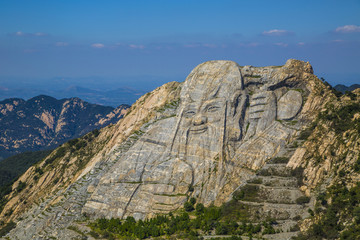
[213,108]
[190,113]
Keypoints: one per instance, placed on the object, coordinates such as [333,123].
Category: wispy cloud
[281,44]
[277,32]
[97,45]
[135,46]
[300,43]
[198,45]
[249,44]
[61,44]
[23,34]
[348,29]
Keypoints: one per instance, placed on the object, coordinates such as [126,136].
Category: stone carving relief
[225,123]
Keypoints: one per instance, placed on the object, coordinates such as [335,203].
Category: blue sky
[131,42]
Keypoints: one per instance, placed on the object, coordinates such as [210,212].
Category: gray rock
[289,105]
[224,130]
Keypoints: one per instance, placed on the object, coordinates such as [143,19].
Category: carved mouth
[199,129]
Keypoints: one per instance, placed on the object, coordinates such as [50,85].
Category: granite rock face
[202,138]
[225,128]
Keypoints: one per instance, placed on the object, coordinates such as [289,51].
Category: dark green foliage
[357,165]
[341,119]
[344,208]
[14,166]
[192,201]
[280,160]
[247,193]
[59,153]
[4,190]
[7,228]
[189,207]
[298,173]
[182,226]
[200,208]
[304,134]
[302,200]
[21,186]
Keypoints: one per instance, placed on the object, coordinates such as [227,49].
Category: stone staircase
[274,195]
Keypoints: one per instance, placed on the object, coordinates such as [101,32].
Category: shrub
[302,200]
[188,207]
[7,228]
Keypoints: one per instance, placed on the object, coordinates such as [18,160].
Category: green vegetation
[279,160]
[304,134]
[182,224]
[338,218]
[247,193]
[342,118]
[7,228]
[302,200]
[12,167]
[170,105]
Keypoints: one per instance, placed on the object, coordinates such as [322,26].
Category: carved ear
[289,105]
[237,115]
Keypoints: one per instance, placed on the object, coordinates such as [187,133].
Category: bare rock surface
[226,124]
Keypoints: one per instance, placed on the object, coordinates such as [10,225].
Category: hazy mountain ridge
[44,122]
[157,157]
[342,88]
[112,98]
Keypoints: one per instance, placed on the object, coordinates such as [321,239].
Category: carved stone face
[199,116]
[211,98]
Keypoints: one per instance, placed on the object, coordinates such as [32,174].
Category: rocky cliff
[204,138]
[44,122]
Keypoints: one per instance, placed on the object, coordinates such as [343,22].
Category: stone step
[275,181]
[264,210]
[276,170]
[261,193]
[281,236]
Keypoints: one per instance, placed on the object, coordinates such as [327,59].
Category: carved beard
[204,146]
[201,151]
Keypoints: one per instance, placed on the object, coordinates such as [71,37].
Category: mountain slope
[212,137]
[44,122]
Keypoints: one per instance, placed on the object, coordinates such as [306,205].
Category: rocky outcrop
[44,122]
[202,138]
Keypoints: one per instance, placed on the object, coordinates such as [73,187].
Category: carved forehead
[212,79]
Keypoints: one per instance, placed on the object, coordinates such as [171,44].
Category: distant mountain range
[107,98]
[342,88]
[44,122]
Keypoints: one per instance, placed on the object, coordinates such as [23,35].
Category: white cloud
[301,43]
[97,45]
[348,29]
[277,32]
[197,45]
[134,46]
[23,34]
[40,34]
[281,44]
[61,44]
[250,44]
[19,33]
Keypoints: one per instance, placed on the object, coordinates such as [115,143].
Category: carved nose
[199,120]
